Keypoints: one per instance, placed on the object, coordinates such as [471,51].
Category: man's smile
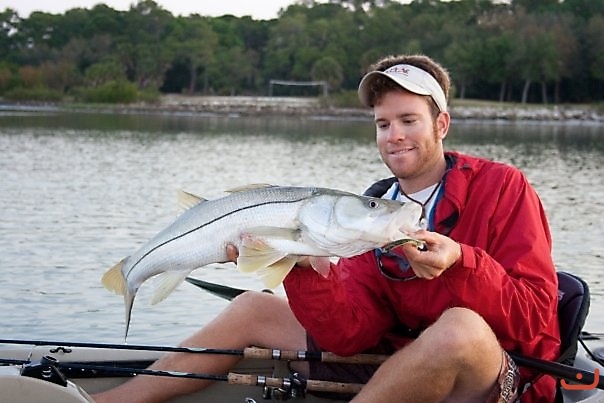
[401,150]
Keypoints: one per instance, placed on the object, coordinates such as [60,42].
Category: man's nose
[396,133]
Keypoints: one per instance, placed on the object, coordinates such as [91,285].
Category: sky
[258,9]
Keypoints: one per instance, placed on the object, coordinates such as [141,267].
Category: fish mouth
[400,224]
[407,221]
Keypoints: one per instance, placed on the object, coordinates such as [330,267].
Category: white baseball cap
[410,78]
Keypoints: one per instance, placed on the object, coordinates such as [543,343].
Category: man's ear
[443,120]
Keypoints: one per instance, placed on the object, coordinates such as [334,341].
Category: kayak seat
[573,307]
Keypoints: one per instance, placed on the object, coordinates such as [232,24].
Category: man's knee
[462,333]
[255,306]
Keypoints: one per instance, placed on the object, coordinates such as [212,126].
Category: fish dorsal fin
[274,274]
[187,200]
[251,186]
[167,282]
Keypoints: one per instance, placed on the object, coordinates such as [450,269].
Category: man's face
[408,139]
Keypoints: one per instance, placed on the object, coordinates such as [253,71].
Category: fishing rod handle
[365,359]
[311,385]
[336,387]
[285,355]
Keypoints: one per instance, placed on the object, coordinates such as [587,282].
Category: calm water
[79,192]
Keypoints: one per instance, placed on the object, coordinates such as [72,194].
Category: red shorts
[506,387]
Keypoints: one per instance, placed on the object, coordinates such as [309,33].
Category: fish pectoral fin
[274,274]
[188,200]
[320,264]
[114,279]
[167,282]
[252,259]
[255,253]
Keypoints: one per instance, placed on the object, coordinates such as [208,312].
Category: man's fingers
[232,253]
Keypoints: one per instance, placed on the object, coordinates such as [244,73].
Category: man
[485,282]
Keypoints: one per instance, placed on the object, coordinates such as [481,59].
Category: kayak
[64,374]
[70,373]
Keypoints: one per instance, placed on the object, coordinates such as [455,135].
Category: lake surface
[81,191]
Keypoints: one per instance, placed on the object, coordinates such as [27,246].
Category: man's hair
[382,84]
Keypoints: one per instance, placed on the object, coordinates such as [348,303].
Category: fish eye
[373,204]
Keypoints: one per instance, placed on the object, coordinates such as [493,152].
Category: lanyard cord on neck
[423,205]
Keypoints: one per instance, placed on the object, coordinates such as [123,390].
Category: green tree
[463,63]
[144,51]
[30,77]
[59,76]
[6,77]
[329,70]
[594,38]
[494,49]
[535,6]
[194,42]
[287,39]
[546,50]
[9,25]
[104,72]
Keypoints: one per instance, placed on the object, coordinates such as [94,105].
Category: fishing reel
[47,369]
[293,387]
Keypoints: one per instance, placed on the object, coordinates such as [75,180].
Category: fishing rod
[295,384]
[560,370]
[553,368]
[248,352]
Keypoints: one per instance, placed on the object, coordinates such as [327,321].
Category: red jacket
[506,274]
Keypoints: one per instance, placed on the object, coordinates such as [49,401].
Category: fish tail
[128,302]
[114,279]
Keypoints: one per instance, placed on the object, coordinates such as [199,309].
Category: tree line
[541,51]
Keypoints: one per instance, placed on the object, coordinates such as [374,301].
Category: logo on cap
[398,69]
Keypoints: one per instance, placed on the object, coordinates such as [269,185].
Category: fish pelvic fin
[274,274]
[168,281]
[114,279]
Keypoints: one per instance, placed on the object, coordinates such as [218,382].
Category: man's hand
[232,253]
[441,253]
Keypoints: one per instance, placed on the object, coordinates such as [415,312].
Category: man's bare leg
[253,318]
[457,359]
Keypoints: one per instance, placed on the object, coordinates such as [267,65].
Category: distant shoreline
[291,106]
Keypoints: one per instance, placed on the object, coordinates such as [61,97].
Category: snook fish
[272,227]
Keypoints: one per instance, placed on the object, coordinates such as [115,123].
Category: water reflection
[81,191]
[532,136]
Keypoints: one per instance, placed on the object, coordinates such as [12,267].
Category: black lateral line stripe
[209,223]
